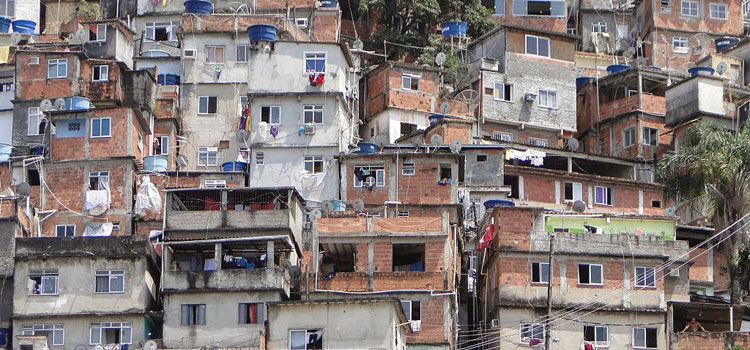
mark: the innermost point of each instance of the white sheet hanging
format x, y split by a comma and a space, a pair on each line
147, 198
98, 229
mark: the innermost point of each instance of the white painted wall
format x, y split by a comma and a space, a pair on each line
6, 127
28, 10
162, 66
387, 125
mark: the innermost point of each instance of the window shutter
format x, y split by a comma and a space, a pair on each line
519, 8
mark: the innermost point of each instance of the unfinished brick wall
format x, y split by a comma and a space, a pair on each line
382, 253
110, 89
709, 341
721, 273
451, 130
513, 228
699, 269
33, 82
384, 90
433, 322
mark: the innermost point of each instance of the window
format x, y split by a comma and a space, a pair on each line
270, 114
536, 45
718, 11
590, 274
259, 158
481, 158
313, 114
408, 257
402, 214
207, 104
413, 311
243, 154
532, 331
410, 81
597, 334
208, 156
214, 54
8, 8
98, 180
100, 73
628, 137
548, 98
111, 333
446, 173
540, 272
502, 136
310, 339
315, 62
572, 31
656, 204
299, 22
680, 44
242, 51
100, 127
650, 136
539, 8
37, 124
503, 92
98, 32
9, 86
161, 31
602, 195
110, 281
363, 172
251, 313
43, 282
689, 8
55, 333
599, 27
644, 338
535, 141
665, 5
192, 314
645, 277
314, 164
408, 169
212, 183
65, 230
57, 68
161, 146
573, 191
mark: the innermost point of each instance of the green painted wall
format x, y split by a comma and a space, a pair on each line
665, 228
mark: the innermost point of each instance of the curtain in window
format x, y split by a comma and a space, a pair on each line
102, 284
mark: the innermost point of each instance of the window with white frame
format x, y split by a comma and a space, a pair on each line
590, 274
408, 169
718, 11
314, 164
537, 46
548, 98
65, 230
602, 195
573, 191
260, 158
402, 214
650, 136
645, 277
270, 114
55, 333
532, 331
540, 272
306, 339
410, 81
644, 338
192, 314
8, 8
503, 92
213, 183
161, 146
57, 68
37, 124
111, 333
628, 137
98, 32
315, 62
208, 156
43, 282
599, 27
666, 5
363, 172
599, 335
214, 54
680, 44
300, 22
161, 31
98, 180
413, 311
100, 73
313, 114
207, 104
242, 52
502, 136
101, 127
689, 8
538, 142
110, 281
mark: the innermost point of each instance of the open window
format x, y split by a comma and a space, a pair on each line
446, 174
408, 257
512, 182
408, 128
251, 313
43, 282
337, 257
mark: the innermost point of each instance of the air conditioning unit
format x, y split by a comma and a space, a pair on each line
674, 273
33, 61
529, 96
495, 323
309, 130
190, 54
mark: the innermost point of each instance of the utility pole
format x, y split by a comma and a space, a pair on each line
549, 293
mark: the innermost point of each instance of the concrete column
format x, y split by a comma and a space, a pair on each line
521, 195
557, 191
640, 202
570, 164
270, 261
166, 254
370, 265
640, 90
224, 200
217, 255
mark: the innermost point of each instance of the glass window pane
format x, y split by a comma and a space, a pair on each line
105, 127
96, 127
543, 47
639, 335
95, 335
531, 45
297, 340
102, 284
116, 284
596, 274
58, 337
49, 285
126, 335
201, 319
545, 272
202, 104
601, 333
583, 273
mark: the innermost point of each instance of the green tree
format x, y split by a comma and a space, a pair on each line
712, 169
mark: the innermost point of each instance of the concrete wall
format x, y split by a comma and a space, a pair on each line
694, 96
230, 279
118, 46
6, 127
77, 329
386, 126
28, 10
487, 173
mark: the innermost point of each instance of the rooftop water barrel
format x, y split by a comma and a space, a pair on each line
328, 3
701, 71
435, 118
198, 6
155, 163
581, 81
5, 24
498, 203
234, 166
366, 148
77, 103
262, 32
727, 41
616, 68
454, 28
23, 26
5, 151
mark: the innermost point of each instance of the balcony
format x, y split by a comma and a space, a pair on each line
268, 278
651, 104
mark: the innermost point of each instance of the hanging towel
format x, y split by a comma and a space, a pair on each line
274, 130
4, 53
96, 198
99, 229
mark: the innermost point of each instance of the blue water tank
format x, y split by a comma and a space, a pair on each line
366, 148
616, 68
329, 3
23, 26
262, 32
581, 81
722, 43
5, 24
198, 6
701, 71
155, 163
498, 203
234, 166
454, 29
435, 118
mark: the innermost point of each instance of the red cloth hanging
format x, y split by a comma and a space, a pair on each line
487, 237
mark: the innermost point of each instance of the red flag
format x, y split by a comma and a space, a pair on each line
487, 237
638, 232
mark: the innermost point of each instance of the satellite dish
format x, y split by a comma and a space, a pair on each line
721, 68
59, 104
81, 347
579, 206
445, 107
417, 146
358, 45
150, 345
436, 139
327, 206
242, 135
671, 211
182, 161
440, 59
23, 188
98, 347
469, 97
630, 52
456, 146
16, 38
316, 214
46, 106
572, 144
358, 204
